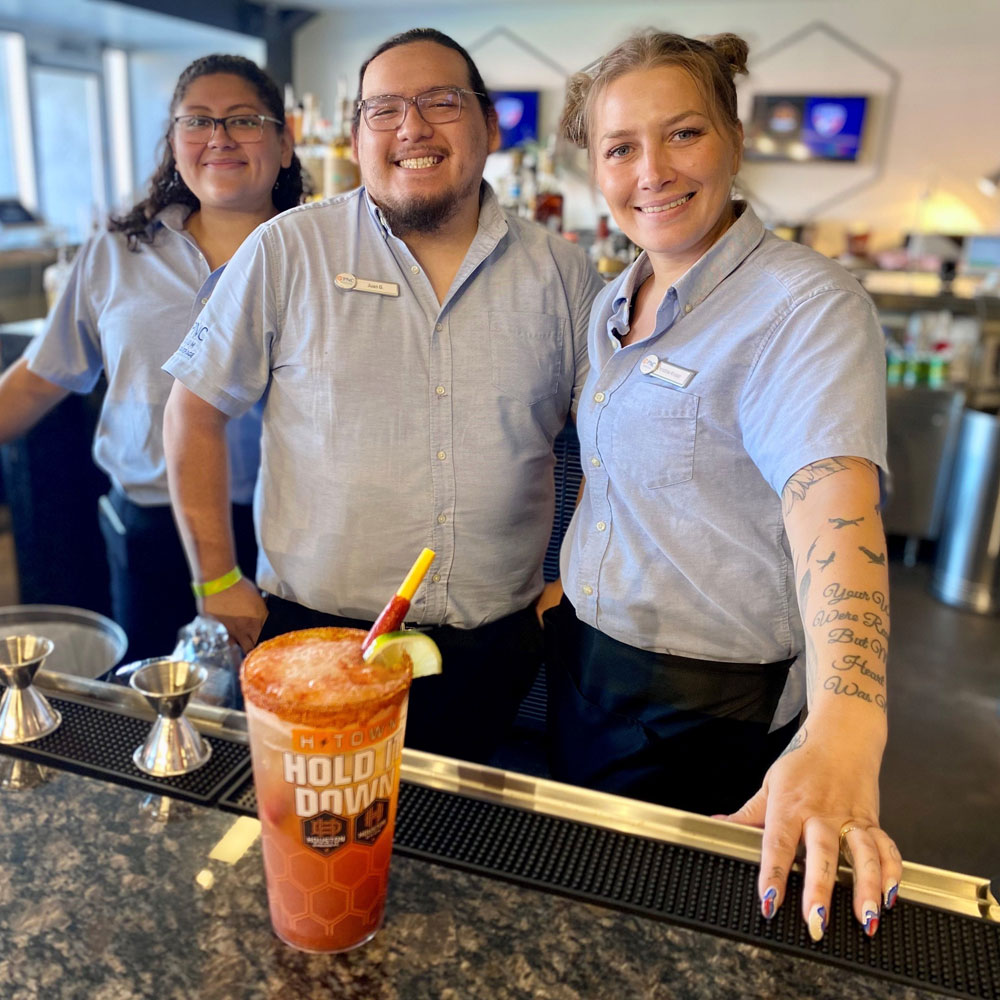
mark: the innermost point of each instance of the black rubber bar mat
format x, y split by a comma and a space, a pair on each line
915, 945
99, 743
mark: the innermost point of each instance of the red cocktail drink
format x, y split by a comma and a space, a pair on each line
326, 739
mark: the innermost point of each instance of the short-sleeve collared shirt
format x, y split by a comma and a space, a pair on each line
766, 357
124, 312
392, 421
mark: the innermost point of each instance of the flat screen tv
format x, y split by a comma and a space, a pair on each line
517, 114
805, 127
981, 255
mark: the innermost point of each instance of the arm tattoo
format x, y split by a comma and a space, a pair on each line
799, 485
811, 547
797, 740
877, 558
840, 522
826, 562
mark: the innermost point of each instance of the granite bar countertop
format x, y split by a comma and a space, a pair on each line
102, 900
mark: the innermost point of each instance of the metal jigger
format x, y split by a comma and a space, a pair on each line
173, 745
25, 714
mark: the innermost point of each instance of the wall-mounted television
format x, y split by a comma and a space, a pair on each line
981, 255
517, 114
805, 127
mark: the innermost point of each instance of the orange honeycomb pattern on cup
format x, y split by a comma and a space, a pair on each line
327, 903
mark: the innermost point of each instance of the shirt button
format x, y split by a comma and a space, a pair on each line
436, 578
415, 269
442, 518
587, 589
442, 455
204, 301
439, 327
595, 462
598, 397
601, 525
440, 390
687, 307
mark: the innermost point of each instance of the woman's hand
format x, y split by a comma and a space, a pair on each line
822, 792
551, 595
241, 609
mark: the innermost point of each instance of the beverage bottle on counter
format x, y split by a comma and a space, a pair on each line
601, 237
939, 366
549, 199
294, 121
310, 120
341, 172
603, 252
509, 186
529, 187
894, 364
306, 126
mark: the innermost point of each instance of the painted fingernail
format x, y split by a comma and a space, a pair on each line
768, 903
890, 895
817, 922
871, 917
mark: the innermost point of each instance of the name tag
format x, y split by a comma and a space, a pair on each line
666, 370
351, 283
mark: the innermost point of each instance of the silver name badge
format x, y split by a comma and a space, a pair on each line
666, 370
350, 283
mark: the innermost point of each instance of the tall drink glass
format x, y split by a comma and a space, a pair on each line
326, 740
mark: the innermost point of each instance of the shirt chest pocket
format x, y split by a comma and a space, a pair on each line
526, 354
653, 436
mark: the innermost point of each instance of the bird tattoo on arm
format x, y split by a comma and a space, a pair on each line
840, 522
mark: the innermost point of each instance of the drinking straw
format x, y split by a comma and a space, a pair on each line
394, 612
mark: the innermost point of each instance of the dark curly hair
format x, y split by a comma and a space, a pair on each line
168, 188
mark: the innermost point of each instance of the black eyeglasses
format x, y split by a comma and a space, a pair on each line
387, 111
239, 128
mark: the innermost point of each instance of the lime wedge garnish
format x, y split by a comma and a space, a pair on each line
403, 649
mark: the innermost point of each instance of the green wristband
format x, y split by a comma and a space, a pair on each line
219, 584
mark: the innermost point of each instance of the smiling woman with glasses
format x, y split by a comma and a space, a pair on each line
133, 293
437, 107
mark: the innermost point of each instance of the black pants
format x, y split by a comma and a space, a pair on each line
467, 709
692, 734
150, 580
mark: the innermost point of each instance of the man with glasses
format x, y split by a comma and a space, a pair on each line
418, 351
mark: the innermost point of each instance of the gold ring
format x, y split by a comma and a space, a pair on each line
849, 827
845, 848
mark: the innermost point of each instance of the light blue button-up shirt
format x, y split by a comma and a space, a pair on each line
124, 313
678, 544
393, 422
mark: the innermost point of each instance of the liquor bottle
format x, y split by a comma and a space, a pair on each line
529, 186
509, 186
295, 123
604, 253
341, 173
548, 199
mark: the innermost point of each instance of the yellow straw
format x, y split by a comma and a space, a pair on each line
409, 586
